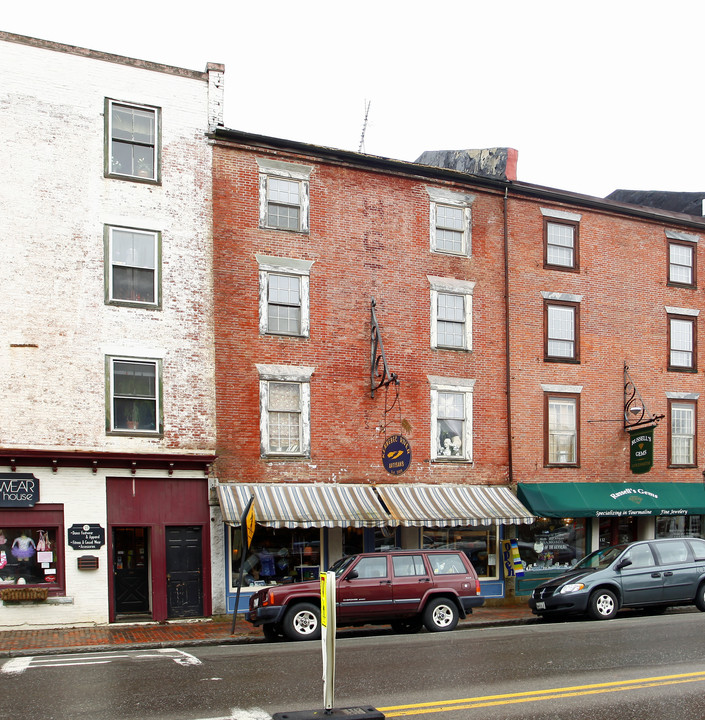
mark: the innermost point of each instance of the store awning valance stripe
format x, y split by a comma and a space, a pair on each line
453, 505
606, 499
305, 505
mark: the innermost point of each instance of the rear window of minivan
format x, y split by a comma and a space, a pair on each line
673, 551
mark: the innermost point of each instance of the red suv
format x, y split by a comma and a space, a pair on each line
405, 588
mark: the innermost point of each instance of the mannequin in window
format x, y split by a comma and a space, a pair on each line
23, 547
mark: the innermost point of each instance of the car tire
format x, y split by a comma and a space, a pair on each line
440, 615
700, 598
271, 632
602, 605
303, 622
407, 626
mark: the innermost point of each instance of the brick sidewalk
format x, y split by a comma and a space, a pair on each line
213, 632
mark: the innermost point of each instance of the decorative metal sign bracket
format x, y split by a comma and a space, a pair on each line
380, 376
635, 412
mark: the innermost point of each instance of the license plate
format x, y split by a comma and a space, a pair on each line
540, 605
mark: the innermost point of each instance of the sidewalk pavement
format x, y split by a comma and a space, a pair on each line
216, 631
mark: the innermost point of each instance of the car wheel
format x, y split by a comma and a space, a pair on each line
602, 605
700, 598
271, 632
440, 615
407, 626
303, 622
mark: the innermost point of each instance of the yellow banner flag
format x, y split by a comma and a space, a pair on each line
250, 524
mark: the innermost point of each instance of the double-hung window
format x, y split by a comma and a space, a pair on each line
451, 313
451, 419
682, 259
134, 395
561, 327
451, 221
682, 415
284, 195
560, 239
682, 339
561, 425
133, 141
285, 410
283, 295
132, 266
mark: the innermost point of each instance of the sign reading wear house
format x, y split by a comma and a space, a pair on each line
641, 450
396, 454
18, 490
86, 537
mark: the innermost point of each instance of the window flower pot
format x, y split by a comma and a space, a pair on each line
17, 594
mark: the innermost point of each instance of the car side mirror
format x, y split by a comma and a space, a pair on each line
624, 563
351, 575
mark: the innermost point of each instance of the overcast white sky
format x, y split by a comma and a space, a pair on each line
594, 94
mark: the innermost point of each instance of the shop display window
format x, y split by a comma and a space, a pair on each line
276, 555
480, 545
681, 526
28, 556
551, 544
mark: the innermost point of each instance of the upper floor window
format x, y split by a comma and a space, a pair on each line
284, 195
682, 337
682, 258
134, 395
284, 295
682, 430
451, 313
285, 410
561, 425
561, 327
451, 419
560, 237
132, 266
133, 141
450, 221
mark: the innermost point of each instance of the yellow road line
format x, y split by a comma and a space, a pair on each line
536, 695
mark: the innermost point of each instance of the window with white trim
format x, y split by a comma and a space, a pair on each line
134, 390
451, 313
682, 257
451, 419
562, 436
682, 339
561, 327
451, 221
682, 421
133, 140
284, 195
285, 410
560, 239
133, 259
283, 295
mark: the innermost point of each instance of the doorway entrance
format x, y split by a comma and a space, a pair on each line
131, 571
184, 565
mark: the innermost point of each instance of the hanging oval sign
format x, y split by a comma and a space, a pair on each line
396, 454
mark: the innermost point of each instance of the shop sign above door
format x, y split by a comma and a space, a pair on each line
18, 490
86, 537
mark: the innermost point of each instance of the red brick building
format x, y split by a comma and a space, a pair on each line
306, 238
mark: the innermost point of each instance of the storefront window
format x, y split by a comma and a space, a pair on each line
480, 545
353, 541
551, 543
675, 527
28, 556
276, 555
614, 531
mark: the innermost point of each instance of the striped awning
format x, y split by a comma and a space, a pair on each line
453, 505
304, 505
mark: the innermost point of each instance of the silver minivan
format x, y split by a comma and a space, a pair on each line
652, 574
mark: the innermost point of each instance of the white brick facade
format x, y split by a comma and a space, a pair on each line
56, 328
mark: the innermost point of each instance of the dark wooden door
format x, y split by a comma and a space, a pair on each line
131, 570
184, 560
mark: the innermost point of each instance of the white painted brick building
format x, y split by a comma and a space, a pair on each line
106, 335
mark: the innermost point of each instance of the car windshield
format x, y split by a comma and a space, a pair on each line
601, 558
339, 566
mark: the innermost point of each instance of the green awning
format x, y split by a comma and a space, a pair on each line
602, 499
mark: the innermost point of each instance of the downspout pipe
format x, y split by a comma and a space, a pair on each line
507, 379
